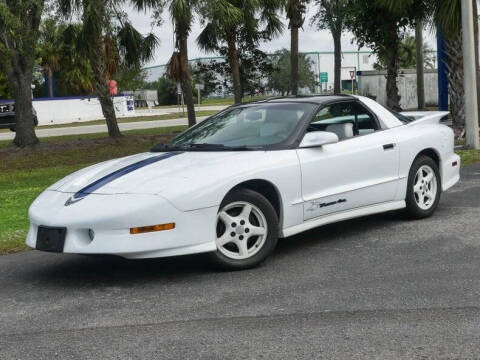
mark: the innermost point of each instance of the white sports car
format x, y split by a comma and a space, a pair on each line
237, 181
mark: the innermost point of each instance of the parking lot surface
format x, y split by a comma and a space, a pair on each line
378, 287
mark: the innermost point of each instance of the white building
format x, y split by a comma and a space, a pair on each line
322, 62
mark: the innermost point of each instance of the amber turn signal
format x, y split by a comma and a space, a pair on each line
152, 228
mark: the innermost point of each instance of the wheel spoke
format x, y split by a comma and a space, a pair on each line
227, 219
421, 200
245, 214
417, 190
256, 230
224, 240
429, 177
242, 247
430, 195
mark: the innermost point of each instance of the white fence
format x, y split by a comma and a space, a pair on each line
373, 84
78, 109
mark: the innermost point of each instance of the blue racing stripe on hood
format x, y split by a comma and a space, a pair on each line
121, 172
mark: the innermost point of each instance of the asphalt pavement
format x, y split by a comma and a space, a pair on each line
378, 287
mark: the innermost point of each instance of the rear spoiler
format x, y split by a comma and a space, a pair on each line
426, 117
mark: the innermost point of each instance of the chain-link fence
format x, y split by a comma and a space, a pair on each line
321, 65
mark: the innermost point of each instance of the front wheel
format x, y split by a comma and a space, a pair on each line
247, 230
424, 187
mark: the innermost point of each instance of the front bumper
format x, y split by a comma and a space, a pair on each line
110, 217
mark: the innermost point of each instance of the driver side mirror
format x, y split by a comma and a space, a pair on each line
318, 138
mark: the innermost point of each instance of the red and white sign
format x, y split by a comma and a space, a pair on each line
112, 86
352, 74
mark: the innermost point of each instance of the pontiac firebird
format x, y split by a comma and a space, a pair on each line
236, 182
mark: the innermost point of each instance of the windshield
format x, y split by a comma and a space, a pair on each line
246, 127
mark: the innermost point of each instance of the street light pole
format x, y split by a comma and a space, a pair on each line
470, 76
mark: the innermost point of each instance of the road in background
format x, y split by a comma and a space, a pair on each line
93, 129
134, 125
377, 287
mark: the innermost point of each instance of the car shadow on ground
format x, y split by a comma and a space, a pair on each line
69, 271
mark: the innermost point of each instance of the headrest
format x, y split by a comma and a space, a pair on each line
344, 131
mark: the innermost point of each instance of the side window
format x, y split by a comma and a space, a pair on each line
338, 118
346, 119
365, 123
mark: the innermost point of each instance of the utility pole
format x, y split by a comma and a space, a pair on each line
470, 84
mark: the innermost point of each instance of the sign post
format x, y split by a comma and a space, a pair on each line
199, 87
179, 95
352, 76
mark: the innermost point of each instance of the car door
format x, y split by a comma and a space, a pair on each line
358, 171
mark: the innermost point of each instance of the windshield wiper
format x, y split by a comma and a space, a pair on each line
200, 147
167, 147
217, 147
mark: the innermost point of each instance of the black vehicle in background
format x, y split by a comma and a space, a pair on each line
7, 116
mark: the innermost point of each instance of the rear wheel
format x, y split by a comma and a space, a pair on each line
12, 129
424, 187
247, 230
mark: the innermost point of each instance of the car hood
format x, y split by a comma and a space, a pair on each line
152, 173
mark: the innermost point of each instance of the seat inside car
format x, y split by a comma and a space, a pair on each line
343, 131
278, 123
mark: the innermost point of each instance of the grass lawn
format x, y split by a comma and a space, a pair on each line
25, 173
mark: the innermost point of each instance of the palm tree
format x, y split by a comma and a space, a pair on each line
295, 10
445, 16
76, 69
232, 22
182, 15
107, 38
49, 50
331, 16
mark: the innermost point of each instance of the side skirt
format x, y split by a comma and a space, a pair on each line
344, 215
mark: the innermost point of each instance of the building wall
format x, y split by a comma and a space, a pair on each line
351, 60
373, 84
321, 62
76, 109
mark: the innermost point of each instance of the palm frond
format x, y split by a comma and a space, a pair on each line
208, 38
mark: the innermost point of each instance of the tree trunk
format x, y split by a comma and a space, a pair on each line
20, 78
455, 76
420, 64
393, 98
337, 43
477, 60
294, 60
186, 79
102, 90
50, 82
235, 68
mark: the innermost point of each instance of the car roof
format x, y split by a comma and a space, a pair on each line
313, 99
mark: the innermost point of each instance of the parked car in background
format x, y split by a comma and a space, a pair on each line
7, 116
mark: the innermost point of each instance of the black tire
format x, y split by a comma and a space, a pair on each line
270, 242
12, 129
414, 211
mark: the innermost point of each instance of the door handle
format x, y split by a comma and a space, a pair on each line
388, 146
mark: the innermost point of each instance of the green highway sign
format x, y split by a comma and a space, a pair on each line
324, 77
